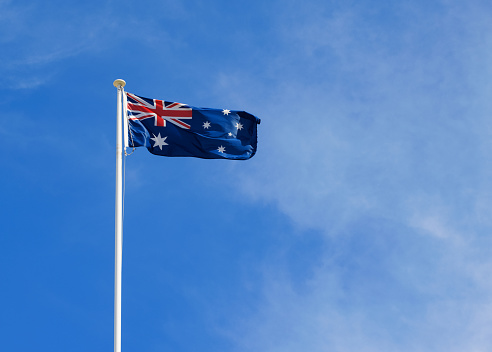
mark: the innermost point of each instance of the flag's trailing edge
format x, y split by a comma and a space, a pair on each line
174, 129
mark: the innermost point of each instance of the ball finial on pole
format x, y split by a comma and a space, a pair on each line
119, 83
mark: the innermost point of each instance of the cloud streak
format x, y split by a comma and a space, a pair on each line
377, 137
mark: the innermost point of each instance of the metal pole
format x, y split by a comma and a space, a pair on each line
118, 239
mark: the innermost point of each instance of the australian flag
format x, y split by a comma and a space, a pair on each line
174, 129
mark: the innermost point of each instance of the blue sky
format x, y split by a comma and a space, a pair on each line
361, 224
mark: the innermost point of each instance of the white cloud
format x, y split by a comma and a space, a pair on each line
378, 131
390, 126
41, 35
405, 294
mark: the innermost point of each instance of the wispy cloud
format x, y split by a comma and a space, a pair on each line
378, 132
41, 35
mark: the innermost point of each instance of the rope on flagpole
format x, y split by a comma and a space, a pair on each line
131, 137
127, 128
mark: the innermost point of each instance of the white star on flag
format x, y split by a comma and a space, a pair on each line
239, 126
226, 112
206, 125
221, 149
230, 134
159, 141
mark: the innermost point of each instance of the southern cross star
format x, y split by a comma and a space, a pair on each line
239, 126
230, 134
226, 112
206, 125
221, 149
159, 141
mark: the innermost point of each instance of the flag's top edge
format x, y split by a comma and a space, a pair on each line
242, 114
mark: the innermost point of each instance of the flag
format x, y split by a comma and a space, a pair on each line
174, 129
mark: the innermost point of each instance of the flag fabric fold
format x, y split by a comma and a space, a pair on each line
174, 129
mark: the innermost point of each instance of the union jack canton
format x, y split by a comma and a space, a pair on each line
174, 129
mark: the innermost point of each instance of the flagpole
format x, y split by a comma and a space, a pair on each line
118, 239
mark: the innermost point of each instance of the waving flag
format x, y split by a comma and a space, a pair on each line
174, 129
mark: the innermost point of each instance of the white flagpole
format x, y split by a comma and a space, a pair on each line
118, 239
